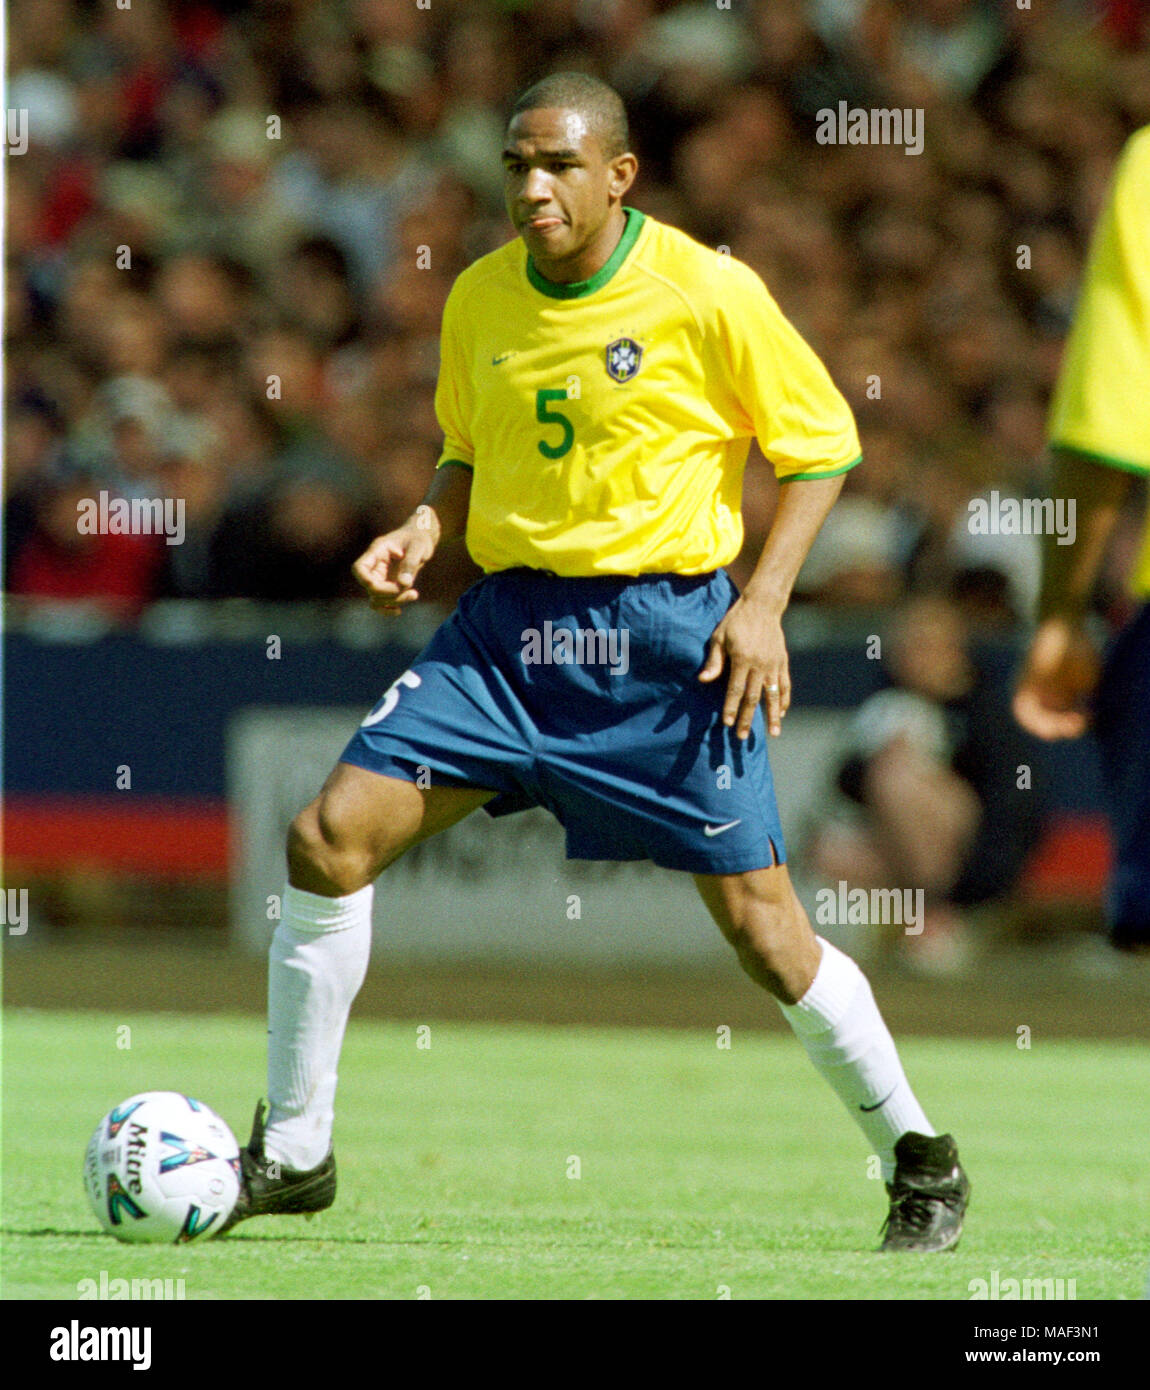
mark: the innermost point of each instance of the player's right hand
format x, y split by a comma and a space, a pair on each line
1059, 676
387, 569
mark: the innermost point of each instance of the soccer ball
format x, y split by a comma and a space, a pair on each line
162, 1167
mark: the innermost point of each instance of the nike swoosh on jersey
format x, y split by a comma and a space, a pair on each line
503, 356
718, 829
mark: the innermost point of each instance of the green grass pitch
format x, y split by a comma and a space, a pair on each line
520, 1162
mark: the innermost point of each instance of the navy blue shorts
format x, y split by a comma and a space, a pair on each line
1122, 728
581, 696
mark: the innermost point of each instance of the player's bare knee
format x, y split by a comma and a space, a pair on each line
319, 861
305, 848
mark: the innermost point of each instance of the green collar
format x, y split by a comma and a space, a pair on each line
576, 289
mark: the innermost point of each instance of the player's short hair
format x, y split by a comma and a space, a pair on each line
600, 105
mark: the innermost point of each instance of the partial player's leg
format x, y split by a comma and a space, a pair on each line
665, 779
454, 716
1122, 731
827, 1001
361, 822
337, 846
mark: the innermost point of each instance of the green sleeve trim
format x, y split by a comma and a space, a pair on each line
1106, 460
813, 477
454, 463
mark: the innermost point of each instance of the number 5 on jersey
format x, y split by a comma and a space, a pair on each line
548, 416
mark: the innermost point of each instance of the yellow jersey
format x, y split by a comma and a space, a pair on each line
607, 422
1101, 406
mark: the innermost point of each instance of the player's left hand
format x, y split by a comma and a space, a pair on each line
1059, 676
749, 641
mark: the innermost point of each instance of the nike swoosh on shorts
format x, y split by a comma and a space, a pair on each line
718, 829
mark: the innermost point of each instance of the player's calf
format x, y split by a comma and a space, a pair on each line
829, 1004
317, 962
760, 915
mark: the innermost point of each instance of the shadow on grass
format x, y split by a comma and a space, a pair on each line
53, 1231
303, 1238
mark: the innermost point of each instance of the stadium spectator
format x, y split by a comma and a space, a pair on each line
928, 792
317, 248
292, 544
55, 559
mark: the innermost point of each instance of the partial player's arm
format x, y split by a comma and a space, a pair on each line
749, 641
784, 394
388, 568
1100, 437
1069, 571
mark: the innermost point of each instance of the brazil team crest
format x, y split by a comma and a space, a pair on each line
623, 358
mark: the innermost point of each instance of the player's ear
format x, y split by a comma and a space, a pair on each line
623, 169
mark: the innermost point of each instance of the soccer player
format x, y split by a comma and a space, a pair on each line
1100, 440
601, 378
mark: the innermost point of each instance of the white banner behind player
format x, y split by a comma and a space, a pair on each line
488, 889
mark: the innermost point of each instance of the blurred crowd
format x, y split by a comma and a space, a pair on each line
234, 226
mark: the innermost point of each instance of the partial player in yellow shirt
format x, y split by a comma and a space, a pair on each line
602, 377
1100, 441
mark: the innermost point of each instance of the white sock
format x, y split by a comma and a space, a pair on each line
839, 1024
317, 962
